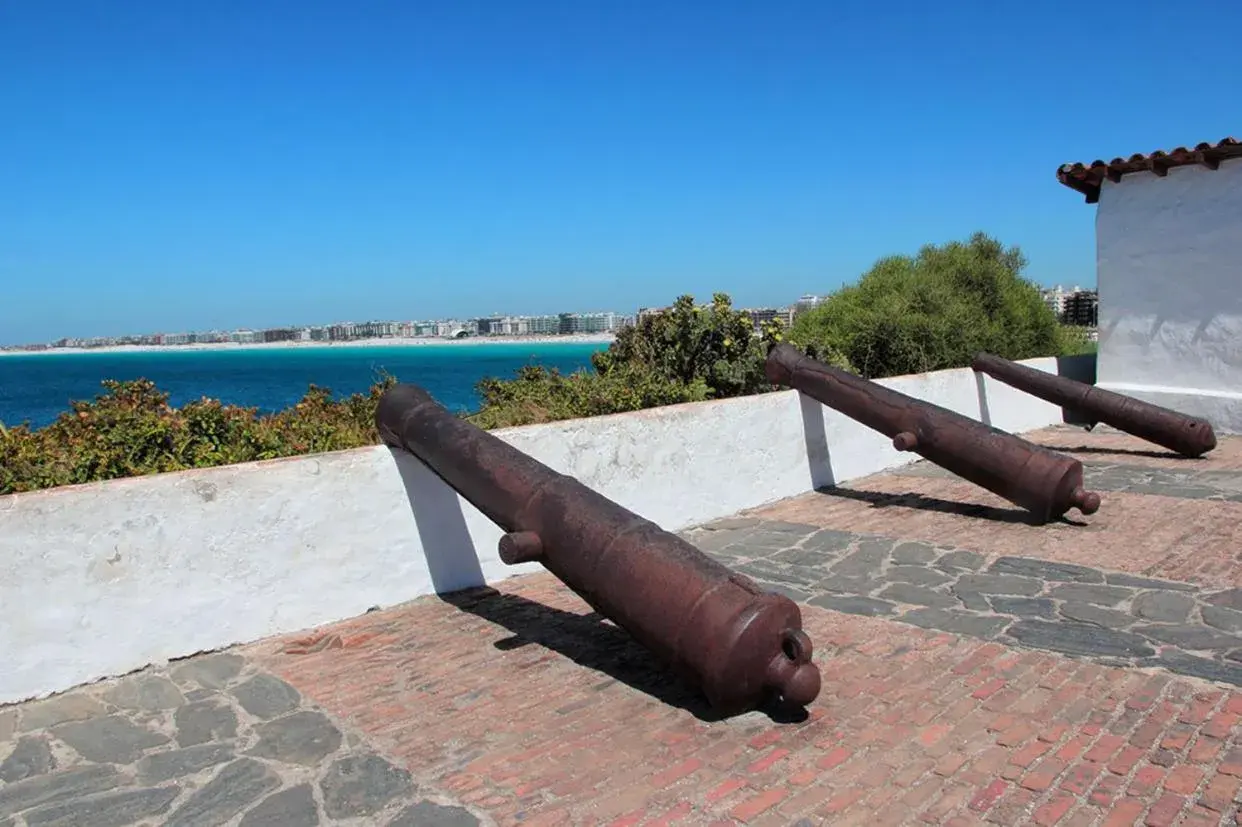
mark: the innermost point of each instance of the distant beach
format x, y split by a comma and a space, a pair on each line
393, 341
274, 376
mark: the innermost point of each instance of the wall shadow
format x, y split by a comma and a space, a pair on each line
452, 559
1080, 368
911, 499
592, 642
815, 433
981, 390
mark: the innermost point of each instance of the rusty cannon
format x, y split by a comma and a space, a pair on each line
736, 643
1187, 435
1044, 482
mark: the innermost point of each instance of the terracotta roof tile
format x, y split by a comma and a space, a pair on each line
1087, 178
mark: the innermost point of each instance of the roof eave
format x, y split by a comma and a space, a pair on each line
1089, 190
1089, 178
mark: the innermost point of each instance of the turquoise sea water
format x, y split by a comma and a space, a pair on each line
37, 388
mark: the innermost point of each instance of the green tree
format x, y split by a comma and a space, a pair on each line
912, 314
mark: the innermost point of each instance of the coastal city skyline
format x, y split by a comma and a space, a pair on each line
488, 325
1074, 305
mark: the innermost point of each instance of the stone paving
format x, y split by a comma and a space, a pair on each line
1160, 517
209, 741
1117, 618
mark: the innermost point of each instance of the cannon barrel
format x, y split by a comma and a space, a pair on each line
719, 631
1187, 435
1044, 482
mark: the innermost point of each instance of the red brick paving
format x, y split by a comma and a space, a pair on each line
529, 709
912, 726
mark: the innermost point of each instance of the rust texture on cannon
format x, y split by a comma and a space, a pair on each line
717, 630
1187, 435
1042, 481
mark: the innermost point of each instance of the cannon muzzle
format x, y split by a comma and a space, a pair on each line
1044, 482
716, 628
1187, 435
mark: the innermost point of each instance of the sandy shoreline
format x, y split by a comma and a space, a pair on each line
570, 339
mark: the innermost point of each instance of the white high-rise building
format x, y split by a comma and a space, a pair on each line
805, 303
1056, 295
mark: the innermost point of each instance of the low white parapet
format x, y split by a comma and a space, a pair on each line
98, 580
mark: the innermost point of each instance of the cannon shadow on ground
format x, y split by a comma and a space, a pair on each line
593, 642
1066, 446
912, 499
824, 481
588, 640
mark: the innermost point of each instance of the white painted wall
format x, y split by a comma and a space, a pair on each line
97, 580
1170, 278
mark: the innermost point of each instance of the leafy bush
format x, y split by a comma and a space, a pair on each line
935, 311
542, 395
684, 353
685, 343
130, 430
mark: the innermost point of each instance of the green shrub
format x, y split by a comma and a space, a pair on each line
130, 430
686, 343
542, 395
684, 353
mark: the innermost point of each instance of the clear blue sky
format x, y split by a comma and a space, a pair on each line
219, 163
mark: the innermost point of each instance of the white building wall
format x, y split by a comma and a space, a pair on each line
101, 579
1170, 279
